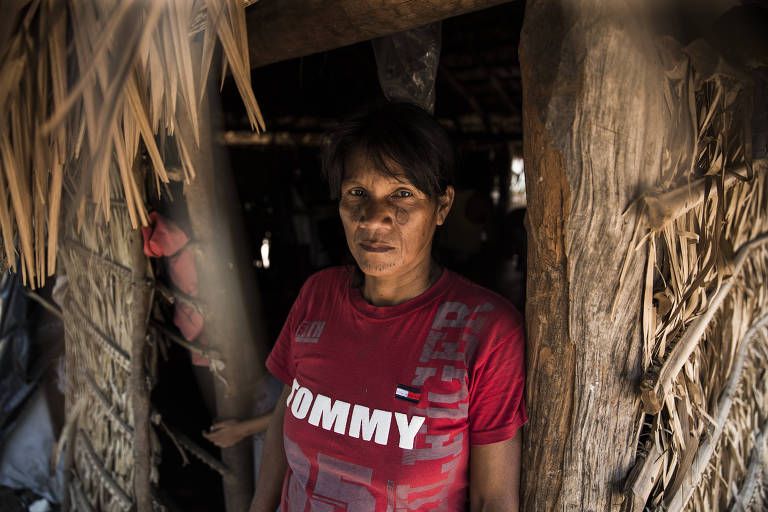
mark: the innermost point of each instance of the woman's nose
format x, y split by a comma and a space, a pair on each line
376, 212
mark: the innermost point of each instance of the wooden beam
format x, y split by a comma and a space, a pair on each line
139, 385
286, 29
230, 298
595, 126
662, 208
270, 139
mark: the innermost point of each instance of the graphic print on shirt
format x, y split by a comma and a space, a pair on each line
408, 393
339, 483
451, 342
309, 332
329, 414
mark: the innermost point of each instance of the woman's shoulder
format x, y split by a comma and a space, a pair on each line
330, 275
479, 298
325, 281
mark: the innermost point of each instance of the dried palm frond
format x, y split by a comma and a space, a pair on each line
704, 387
130, 70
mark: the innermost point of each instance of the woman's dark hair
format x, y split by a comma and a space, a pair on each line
393, 132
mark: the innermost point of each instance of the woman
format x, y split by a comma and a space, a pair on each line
404, 381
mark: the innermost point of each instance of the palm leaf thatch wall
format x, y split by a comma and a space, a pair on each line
96, 98
705, 302
105, 314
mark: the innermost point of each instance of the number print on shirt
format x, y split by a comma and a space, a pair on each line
300, 466
343, 483
338, 483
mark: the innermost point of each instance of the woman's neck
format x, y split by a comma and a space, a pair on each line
394, 290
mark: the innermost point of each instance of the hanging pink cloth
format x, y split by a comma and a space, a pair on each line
163, 238
189, 321
182, 271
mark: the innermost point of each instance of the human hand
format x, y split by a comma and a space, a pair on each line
225, 433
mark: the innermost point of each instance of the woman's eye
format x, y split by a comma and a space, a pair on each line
403, 193
357, 192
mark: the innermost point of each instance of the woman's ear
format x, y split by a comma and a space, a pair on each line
444, 203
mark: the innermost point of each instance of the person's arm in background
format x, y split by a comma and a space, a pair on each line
230, 432
494, 476
266, 498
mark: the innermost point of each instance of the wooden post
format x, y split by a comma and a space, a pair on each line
232, 308
594, 133
293, 28
140, 391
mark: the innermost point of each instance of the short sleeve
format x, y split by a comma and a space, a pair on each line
280, 361
496, 400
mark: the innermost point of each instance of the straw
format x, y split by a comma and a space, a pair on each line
134, 69
704, 392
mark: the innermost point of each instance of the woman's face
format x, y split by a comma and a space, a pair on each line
388, 222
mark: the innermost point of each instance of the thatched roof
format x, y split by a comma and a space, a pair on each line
132, 76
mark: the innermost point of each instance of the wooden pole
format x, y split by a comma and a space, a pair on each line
140, 392
229, 294
594, 132
293, 28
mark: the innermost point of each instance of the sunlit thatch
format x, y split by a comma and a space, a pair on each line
705, 306
131, 70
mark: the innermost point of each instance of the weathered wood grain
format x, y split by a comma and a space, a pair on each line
594, 131
228, 292
286, 29
140, 390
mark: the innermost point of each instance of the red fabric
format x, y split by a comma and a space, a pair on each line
163, 238
386, 401
182, 271
189, 321
197, 359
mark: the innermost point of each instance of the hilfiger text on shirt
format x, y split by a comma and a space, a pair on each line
353, 420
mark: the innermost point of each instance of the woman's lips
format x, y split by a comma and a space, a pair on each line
375, 247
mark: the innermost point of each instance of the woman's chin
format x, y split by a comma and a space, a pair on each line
376, 266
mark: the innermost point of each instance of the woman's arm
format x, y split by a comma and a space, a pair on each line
273, 463
230, 432
494, 476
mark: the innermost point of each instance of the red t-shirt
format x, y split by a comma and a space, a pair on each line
386, 401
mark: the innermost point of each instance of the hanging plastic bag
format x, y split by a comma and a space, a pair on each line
407, 64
